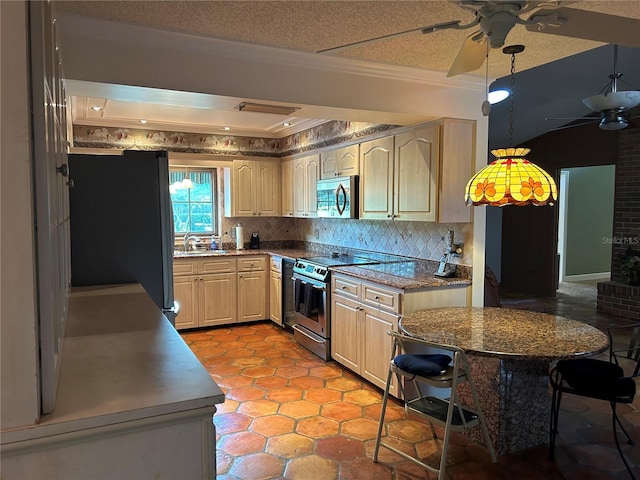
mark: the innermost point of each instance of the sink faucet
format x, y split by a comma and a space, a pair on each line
188, 236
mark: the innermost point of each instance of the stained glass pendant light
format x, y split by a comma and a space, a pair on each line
511, 179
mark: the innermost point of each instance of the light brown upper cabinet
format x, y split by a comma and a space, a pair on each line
305, 195
419, 174
341, 162
287, 187
255, 189
457, 161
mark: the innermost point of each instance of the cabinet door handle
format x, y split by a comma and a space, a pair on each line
389, 216
377, 297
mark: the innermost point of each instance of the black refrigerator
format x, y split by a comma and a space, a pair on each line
122, 223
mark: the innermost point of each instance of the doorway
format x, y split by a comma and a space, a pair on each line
585, 226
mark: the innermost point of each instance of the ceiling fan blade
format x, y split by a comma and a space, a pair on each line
570, 22
573, 125
432, 28
471, 55
572, 118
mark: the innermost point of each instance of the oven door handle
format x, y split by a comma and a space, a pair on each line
317, 287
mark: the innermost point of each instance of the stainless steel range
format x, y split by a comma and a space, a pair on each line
312, 300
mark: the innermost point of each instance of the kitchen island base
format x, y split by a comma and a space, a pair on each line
515, 399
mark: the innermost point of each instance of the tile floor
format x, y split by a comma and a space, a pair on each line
290, 415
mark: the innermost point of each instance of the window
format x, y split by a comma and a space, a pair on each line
193, 208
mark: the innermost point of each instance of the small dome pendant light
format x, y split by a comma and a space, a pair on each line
186, 182
511, 179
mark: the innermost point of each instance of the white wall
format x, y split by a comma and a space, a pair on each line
19, 387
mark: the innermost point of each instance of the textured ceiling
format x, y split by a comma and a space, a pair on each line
311, 26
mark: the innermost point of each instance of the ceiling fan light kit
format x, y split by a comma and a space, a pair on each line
610, 103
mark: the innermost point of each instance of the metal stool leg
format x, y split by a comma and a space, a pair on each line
553, 427
385, 399
615, 436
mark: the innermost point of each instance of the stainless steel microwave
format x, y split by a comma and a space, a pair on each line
338, 197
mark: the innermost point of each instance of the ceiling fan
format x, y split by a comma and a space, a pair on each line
496, 18
612, 105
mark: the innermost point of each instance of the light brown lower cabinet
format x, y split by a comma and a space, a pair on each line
359, 327
220, 291
275, 290
362, 312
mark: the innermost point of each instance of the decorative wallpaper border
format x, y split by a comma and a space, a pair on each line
329, 133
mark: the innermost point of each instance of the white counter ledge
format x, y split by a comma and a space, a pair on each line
124, 368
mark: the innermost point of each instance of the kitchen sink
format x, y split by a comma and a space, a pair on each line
199, 253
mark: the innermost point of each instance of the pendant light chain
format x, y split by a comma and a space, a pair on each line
513, 82
511, 179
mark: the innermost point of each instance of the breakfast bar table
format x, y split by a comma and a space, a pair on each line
509, 353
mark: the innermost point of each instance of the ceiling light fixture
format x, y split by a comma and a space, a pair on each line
286, 124
610, 102
226, 128
143, 121
511, 179
497, 96
264, 108
186, 182
96, 108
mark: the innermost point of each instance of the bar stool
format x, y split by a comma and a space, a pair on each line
439, 370
600, 380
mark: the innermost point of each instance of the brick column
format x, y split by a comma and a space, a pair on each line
616, 297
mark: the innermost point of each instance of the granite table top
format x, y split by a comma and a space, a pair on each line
506, 333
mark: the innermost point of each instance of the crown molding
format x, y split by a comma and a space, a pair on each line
74, 25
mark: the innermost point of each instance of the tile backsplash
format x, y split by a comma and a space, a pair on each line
422, 240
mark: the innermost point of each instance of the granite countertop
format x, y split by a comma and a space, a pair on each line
122, 361
392, 270
407, 275
289, 253
506, 333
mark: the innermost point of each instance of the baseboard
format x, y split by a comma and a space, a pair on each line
587, 276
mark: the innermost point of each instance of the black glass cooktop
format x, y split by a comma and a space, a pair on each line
331, 261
